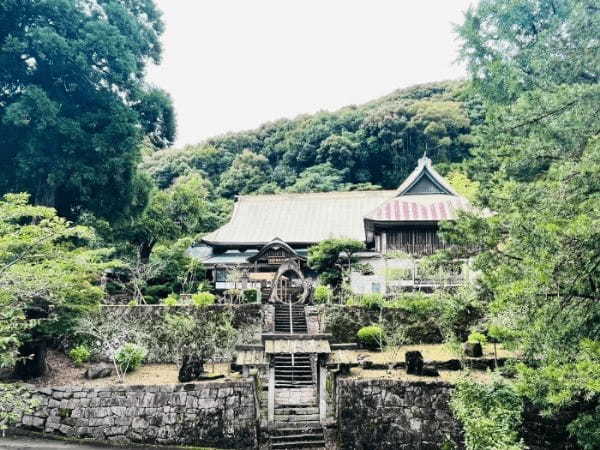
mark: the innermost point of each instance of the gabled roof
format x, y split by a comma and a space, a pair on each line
419, 208
425, 196
297, 218
423, 177
275, 244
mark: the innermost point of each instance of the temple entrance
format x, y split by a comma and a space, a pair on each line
289, 285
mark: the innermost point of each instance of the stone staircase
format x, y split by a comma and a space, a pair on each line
293, 370
296, 421
290, 319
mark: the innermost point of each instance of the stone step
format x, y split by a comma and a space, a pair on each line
296, 418
292, 427
306, 445
297, 436
293, 375
295, 385
299, 411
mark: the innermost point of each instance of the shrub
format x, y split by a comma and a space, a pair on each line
419, 305
250, 295
171, 300
203, 299
80, 354
477, 338
491, 414
371, 337
370, 301
323, 294
129, 357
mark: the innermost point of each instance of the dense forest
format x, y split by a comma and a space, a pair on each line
92, 190
357, 147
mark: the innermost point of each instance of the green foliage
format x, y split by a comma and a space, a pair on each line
204, 336
370, 301
490, 414
537, 163
15, 401
203, 299
477, 338
355, 148
129, 357
80, 354
333, 259
45, 270
323, 294
171, 300
247, 174
75, 107
184, 209
371, 337
463, 185
250, 295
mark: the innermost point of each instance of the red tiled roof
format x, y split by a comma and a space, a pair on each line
420, 208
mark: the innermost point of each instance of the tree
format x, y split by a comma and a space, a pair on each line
319, 178
47, 276
186, 208
333, 259
535, 64
74, 105
247, 173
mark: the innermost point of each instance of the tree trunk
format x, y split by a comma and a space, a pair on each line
34, 366
145, 250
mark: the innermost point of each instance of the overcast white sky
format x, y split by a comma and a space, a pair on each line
231, 65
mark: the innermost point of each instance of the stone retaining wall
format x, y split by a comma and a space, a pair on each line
393, 414
403, 415
222, 415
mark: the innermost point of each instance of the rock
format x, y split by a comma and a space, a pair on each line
414, 363
99, 371
191, 369
473, 349
430, 371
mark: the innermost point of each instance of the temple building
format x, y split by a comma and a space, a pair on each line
265, 244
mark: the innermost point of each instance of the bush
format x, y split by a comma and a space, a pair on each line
323, 294
129, 357
491, 414
203, 299
79, 355
171, 300
419, 305
477, 338
371, 337
370, 301
250, 295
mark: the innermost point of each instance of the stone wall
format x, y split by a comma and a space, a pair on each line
343, 322
149, 320
222, 415
416, 415
395, 414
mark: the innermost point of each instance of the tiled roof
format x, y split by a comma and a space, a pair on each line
311, 218
298, 218
412, 208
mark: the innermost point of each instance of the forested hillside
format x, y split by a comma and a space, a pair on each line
357, 147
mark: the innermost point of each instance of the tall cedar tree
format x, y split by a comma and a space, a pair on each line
74, 107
